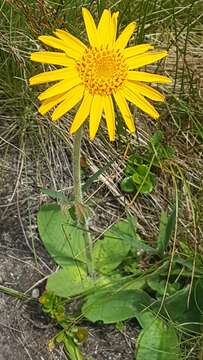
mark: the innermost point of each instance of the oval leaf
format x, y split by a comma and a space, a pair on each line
70, 281
158, 342
61, 237
111, 306
109, 253
128, 185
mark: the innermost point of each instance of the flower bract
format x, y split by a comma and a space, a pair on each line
98, 76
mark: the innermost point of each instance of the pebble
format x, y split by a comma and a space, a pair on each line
35, 293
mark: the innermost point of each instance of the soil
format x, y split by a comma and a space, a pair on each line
24, 330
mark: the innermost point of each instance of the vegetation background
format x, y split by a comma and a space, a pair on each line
36, 153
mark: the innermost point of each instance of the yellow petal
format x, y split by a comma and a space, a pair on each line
48, 104
135, 50
125, 36
113, 28
104, 28
72, 98
90, 27
145, 90
70, 40
148, 77
82, 112
59, 88
110, 116
125, 111
47, 57
95, 115
140, 102
49, 76
145, 59
59, 44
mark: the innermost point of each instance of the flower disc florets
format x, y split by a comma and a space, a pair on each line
102, 70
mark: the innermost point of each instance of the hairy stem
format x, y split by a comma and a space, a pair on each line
76, 167
81, 211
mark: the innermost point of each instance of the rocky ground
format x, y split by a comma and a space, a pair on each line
24, 263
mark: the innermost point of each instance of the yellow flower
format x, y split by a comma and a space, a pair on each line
98, 74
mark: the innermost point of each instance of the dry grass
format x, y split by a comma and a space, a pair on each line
36, 153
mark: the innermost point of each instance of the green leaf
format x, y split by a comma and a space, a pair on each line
138, 245
61, 237
198, 298
158, 342
137, 178
109, 253
69, 281
71, 349
145, 318
144, 177
156, 138
59, 195
191, 314
168, 152
166, 227
120, 327
135, 160
127, 185
147, 187
188, 263
182, 309
158, 285
173, 306
111, 306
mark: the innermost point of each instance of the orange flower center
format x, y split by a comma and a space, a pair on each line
102, 70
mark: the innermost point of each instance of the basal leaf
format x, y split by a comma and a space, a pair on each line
137, 243
198, 298
188, 263
111, 306
60, 235
158, 342
54, 194
69, 281
173, 306
145, 318
159, 285
183, 307
109, 253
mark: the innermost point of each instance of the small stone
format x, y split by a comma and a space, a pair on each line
35, 293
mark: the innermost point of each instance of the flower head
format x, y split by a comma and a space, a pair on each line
97, 75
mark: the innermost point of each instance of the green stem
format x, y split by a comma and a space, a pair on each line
76, 167
14, 293
81, 211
